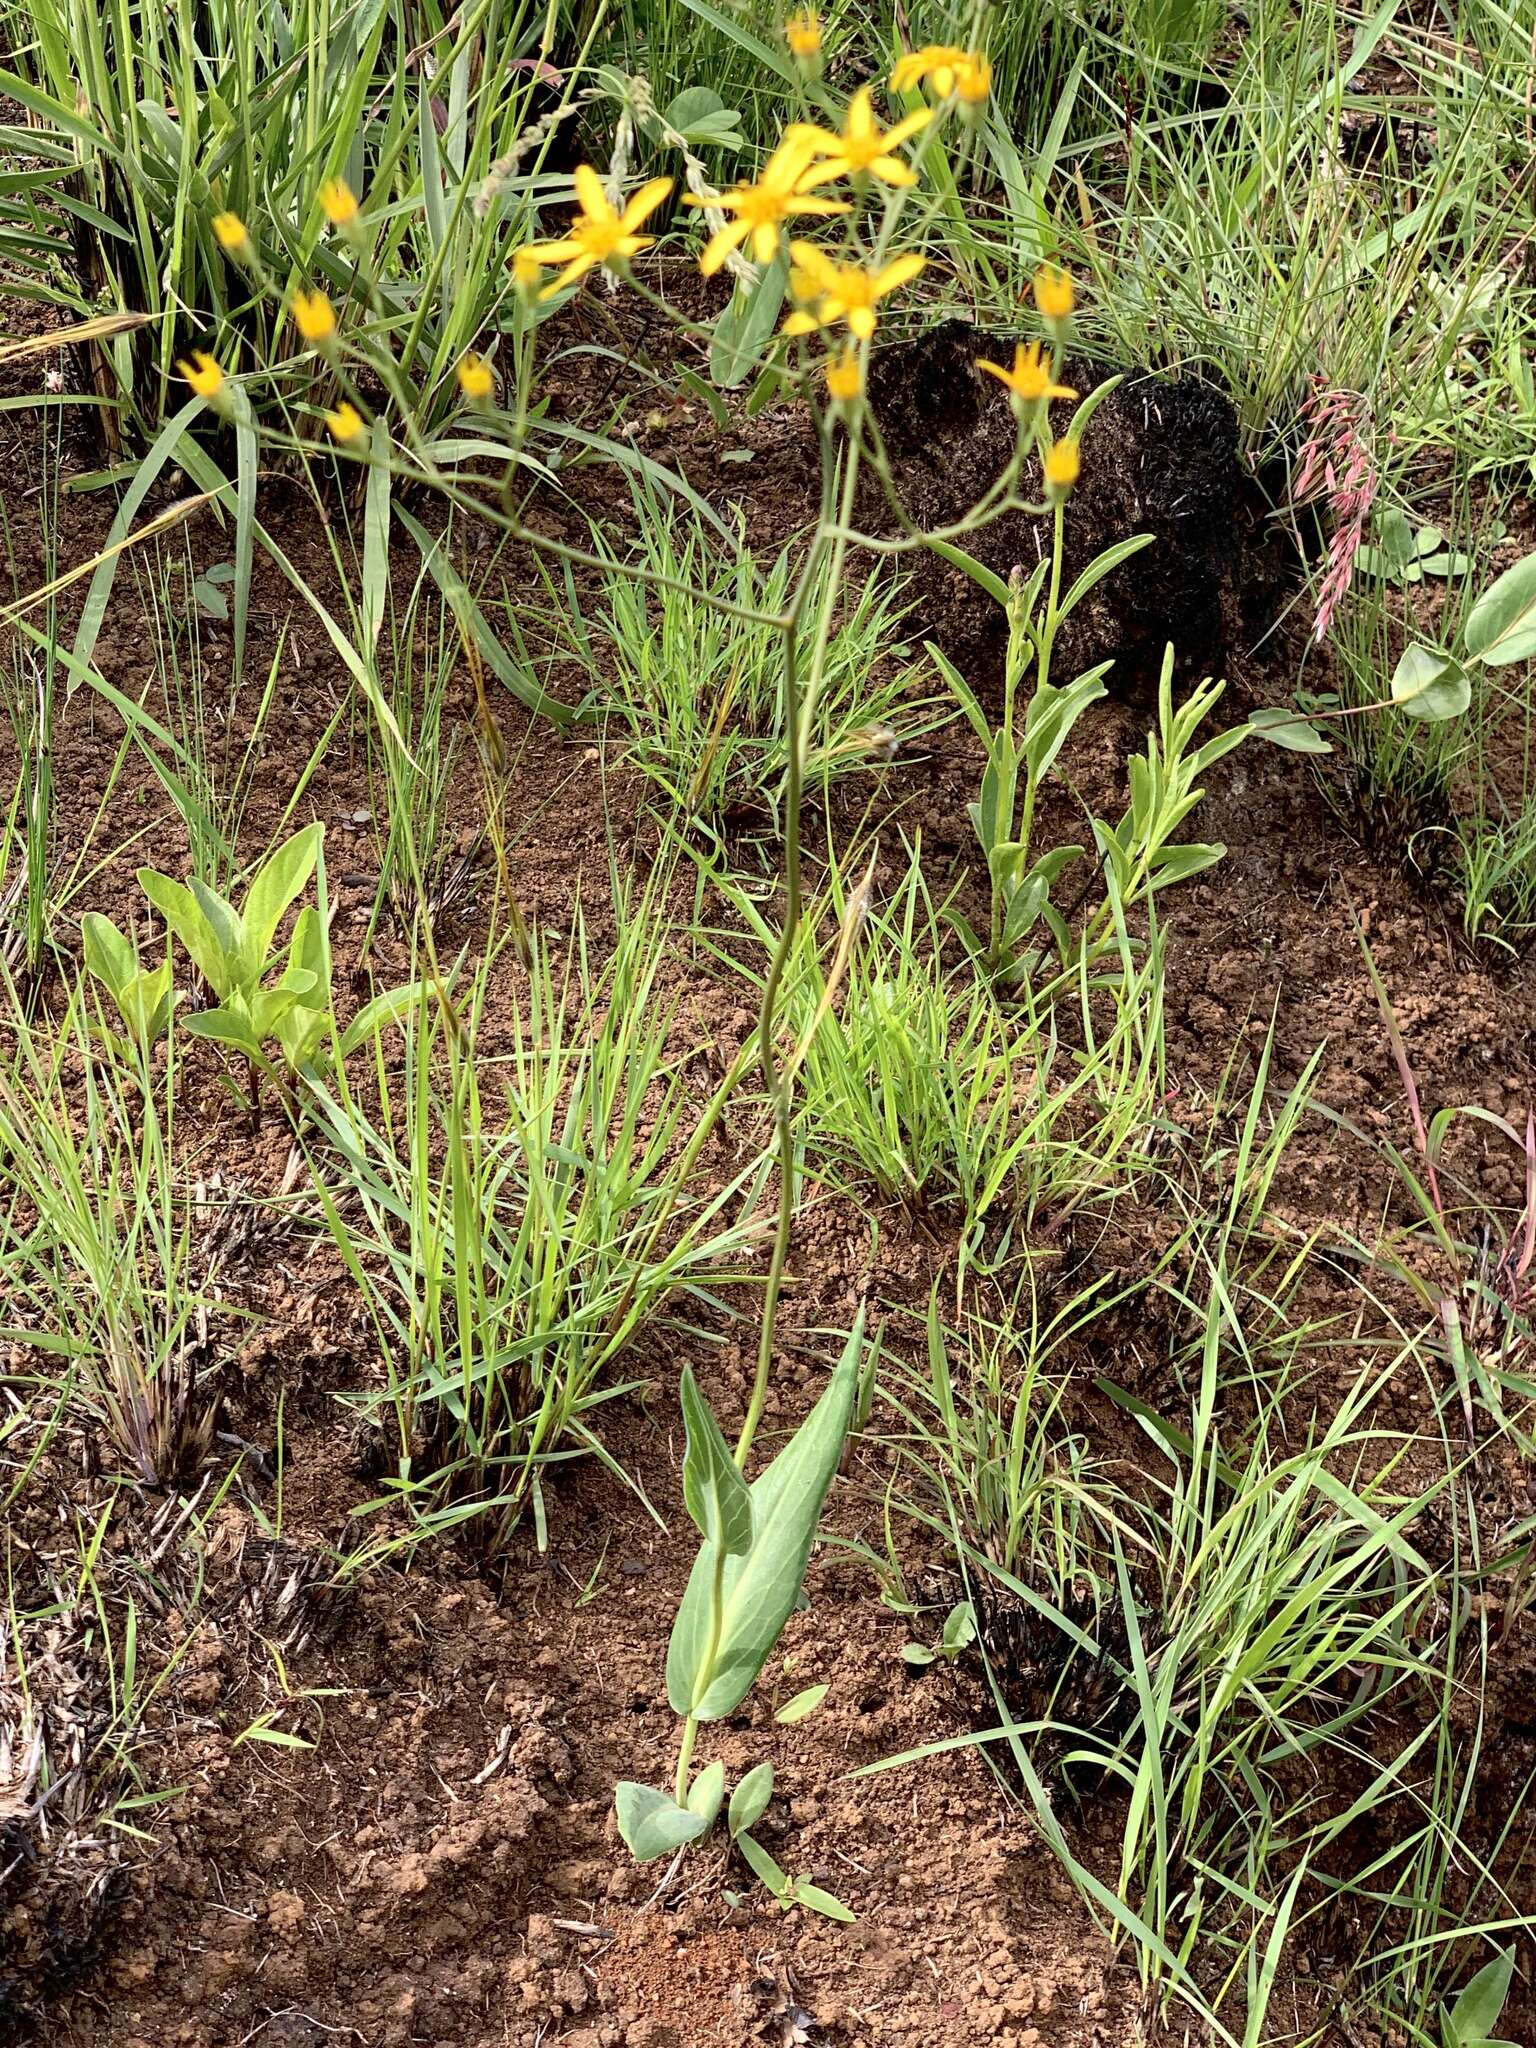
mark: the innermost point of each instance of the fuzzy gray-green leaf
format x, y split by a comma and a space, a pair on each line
652, 1822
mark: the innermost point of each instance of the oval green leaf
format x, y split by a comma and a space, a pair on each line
749, 1801
1287, 729
706, 1795
1429, 684
652, 1822
1502, 625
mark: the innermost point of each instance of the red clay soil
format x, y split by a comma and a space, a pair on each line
442, 1866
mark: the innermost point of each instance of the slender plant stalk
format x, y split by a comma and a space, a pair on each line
799, 712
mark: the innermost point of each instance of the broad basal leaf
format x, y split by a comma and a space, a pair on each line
652, 1822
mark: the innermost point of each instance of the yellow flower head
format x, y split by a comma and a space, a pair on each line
845, 376
313, 316
864, 148
338, 202
598, 234
973, 80
783, 189
476, 378
940, 65
527, 266
1053, 292
842, 291
1062, 464
1030, 377
203, 374
229, 232
802, 32
346, 422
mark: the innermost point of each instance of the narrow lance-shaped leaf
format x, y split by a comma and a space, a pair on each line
1476, 2011
758, 1590
275, 885
714, 1492
185, 916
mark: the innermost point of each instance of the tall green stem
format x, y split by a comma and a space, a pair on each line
799, 712
1043, 668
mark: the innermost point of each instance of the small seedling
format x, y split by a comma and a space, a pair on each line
1404, 554
143, 996
264, 992
745, 1583
958, 1634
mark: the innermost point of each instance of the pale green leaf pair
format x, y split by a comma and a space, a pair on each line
144, 997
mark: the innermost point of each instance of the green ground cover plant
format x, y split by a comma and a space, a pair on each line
1185, 1425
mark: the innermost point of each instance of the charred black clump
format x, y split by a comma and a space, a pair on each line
1160, 457
1045, 1674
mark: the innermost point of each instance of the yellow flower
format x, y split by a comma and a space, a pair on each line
842, 291
802, 32
973, 80
476, 378
1030, 377
864, 148
203, 374
229, 232
1053, 292
338, 202
346, 422
845, 376
313, 316
598, 233
1062, 464
527, 266
784, 188
941, 64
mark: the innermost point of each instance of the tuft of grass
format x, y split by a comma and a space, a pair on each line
686, 660
516, 1219
97, 1239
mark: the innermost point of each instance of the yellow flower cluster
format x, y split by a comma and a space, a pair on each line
1031, 381
952, 72
787, 187
759, 211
